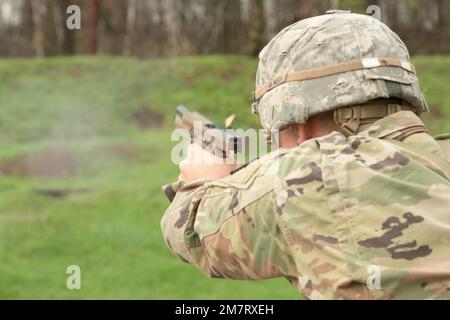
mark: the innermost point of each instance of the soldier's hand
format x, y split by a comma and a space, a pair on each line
200, 163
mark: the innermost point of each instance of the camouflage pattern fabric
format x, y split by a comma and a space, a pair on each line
324, 212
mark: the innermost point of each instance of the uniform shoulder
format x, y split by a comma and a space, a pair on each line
279, 162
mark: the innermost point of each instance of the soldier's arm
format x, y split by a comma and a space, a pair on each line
228, 227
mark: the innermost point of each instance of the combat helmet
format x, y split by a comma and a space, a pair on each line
331, 61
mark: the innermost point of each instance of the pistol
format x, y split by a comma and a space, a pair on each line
205, 133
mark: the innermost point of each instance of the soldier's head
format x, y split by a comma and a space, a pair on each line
314, 75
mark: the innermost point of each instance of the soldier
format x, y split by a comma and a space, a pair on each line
356, 202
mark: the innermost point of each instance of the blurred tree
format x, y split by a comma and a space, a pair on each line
38, 10
27, 29
307, 9
155, 28
443, 25
256, 34
172, 25
130, 27
68, 39
232, 26
213, 11
93, 15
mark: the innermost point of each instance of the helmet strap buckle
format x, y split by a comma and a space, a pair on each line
348, 124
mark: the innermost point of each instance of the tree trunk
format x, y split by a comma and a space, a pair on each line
38, 11
444, 25
27, 24
232, 26
256, 34
92, 25
67, 37
213, 29
130, 28
307, 9
170, 10
58, 25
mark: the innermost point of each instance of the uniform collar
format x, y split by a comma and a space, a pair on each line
393, 123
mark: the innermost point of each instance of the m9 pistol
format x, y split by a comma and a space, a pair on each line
205, 133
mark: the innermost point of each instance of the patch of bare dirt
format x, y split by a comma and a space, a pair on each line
61, 162
53, 162
228, 75
59, 193
76, 73
146, 118
123, 151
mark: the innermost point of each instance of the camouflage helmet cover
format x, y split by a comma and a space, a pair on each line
325, 41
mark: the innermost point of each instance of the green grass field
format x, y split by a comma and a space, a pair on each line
102, 126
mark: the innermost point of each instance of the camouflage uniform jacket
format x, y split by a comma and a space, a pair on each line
325, 214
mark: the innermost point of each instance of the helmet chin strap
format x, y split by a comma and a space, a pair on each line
272, 136
349, 119
347, 127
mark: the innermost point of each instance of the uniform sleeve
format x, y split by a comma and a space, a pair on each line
229, 228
